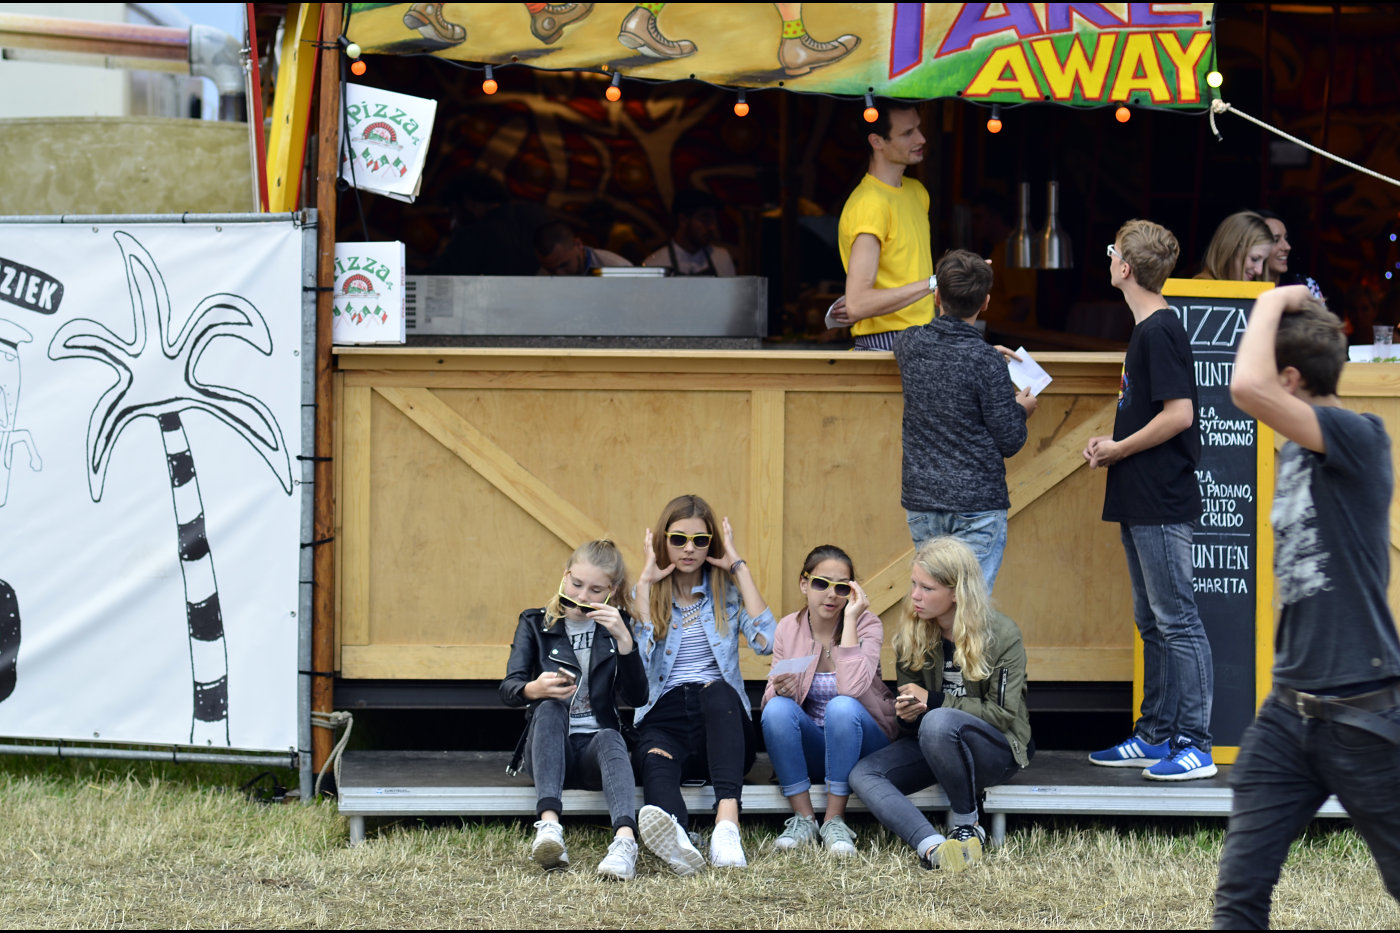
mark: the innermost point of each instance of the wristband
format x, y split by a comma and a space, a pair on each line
734, 567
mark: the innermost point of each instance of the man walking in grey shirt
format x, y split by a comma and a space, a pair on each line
962, 418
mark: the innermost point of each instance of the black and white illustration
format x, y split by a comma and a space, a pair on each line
156, 543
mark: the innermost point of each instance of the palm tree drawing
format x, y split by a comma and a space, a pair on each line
162, 386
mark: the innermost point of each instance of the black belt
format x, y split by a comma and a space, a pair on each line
1358, 711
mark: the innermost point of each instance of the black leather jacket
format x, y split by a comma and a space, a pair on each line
611, 677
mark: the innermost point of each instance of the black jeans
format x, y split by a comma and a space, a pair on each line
587, 760
1286, 768
694, 731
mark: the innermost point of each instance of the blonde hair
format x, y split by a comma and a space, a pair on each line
951, 563
604, 555
663, 594
1150, 250
1234, 238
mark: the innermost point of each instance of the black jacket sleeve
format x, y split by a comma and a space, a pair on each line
632, 688
522, 666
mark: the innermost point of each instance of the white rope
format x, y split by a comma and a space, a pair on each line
1220, 106
333, 721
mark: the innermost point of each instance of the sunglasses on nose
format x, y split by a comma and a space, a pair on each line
821, 583
568, 602
676, 539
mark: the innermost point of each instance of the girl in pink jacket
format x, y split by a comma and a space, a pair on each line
819, 721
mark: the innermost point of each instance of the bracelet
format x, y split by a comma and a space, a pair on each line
734, 567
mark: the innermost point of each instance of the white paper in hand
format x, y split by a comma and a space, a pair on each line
1028, 372
791, 665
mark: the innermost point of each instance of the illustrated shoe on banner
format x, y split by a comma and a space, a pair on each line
639, 31
800, 54
548, 24
427, 19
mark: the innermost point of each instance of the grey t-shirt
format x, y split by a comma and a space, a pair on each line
581, 715
1331, 518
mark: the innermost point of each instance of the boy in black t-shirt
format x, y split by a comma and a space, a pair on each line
1152, 493
1331, 725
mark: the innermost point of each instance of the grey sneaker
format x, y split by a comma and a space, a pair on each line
962, 849
668, 841
726, 851
548, 848
837, 837
799, 830
621, 861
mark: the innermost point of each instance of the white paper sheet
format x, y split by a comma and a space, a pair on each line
792, 665
1028, 372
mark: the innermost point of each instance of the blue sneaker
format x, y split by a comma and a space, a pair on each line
1186, 763
1132, 753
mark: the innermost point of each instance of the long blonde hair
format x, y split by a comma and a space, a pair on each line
663, 594
951, 563
1234, 238
604, 555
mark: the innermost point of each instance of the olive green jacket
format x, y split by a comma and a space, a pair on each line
999, 700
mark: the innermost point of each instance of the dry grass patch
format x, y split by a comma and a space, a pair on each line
93, 846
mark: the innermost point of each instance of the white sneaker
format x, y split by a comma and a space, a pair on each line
548, 848
621, 861
725, 849
668, 841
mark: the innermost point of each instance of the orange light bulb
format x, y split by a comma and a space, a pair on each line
613, 93
1122, 114
741, 109
358, 67
490, 86
871, 114
993, 125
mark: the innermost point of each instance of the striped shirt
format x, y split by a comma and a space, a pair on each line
695, 659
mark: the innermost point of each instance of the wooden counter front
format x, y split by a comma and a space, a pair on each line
465, 477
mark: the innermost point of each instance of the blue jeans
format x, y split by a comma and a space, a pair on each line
1178, 681
962, 754
984, 532
802, 751
1286, 768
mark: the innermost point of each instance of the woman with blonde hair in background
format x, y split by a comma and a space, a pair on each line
1240, 249
961, 704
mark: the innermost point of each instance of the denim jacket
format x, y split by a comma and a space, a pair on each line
661, 656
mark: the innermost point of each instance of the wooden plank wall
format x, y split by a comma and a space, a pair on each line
466, 477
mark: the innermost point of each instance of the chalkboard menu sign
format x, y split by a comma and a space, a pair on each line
1233, 584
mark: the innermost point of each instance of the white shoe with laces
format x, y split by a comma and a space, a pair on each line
548, 848
621, 861
726, 851
668, 841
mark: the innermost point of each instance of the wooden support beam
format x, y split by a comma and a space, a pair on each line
291, 106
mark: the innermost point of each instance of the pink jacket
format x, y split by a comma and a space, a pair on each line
857, 669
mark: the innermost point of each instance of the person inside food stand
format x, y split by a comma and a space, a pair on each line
1239, 250
884, 236
1276, 269
818, 721
692, 250
694, 598
571, 664
492, 233
561, 252
1152, 494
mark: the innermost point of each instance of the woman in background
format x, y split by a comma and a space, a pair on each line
1239, 250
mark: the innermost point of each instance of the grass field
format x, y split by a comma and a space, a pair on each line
93, 844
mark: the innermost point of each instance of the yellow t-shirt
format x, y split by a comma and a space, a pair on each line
898, 218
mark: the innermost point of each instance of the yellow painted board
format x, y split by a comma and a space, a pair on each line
291, 106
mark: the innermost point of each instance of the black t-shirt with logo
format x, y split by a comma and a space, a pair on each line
1156, 486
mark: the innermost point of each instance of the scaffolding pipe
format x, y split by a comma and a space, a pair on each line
285, 760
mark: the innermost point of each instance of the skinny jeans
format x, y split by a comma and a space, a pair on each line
953, 749
695, 731
1286, 768
802, 751
585, 760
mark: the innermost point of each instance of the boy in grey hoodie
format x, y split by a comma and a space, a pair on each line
962, 418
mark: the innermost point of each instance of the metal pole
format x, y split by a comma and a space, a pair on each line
285, 760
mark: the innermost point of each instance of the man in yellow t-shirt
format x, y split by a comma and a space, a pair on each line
884, 236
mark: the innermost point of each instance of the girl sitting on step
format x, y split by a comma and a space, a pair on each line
695, 597
818, 722
961, 704
571, 664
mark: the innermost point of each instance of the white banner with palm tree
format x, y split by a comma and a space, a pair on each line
149, 534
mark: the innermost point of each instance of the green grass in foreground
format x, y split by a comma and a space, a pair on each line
102, 844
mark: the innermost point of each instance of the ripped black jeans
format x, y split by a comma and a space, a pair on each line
694, 731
